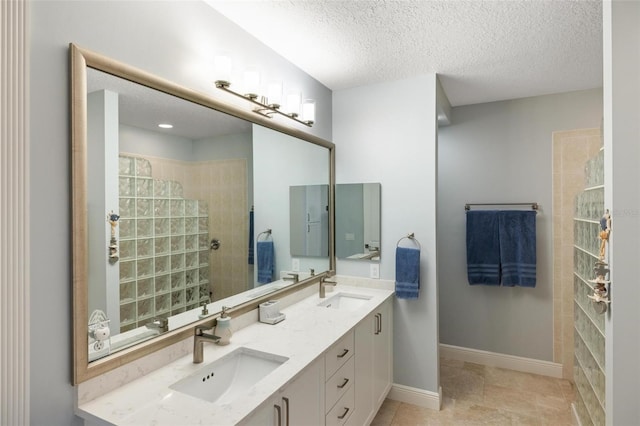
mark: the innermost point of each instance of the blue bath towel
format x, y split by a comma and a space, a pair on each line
518, 247
407, 273
250, 254
266, 261
483, 247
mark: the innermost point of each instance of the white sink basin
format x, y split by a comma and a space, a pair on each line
229, 377
345, 301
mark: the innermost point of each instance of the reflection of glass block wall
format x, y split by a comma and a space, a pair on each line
589, 336
164, 246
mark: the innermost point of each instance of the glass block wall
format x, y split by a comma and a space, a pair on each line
589, 335
164, 246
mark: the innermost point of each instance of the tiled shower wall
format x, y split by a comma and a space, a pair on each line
164, 245
222, 184
589, 335
571, 150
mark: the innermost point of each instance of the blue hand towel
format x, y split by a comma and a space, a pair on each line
483, 247
266, 261
407, 272
518, 247
250, 254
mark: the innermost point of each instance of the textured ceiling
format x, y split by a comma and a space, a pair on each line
483, 50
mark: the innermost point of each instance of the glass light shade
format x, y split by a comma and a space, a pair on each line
293, 103
274, 93
251, 83
222, 68
309, 110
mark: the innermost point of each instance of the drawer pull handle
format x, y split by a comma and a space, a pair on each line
346, 410
286, 401
344, 352
343, 383
279, 412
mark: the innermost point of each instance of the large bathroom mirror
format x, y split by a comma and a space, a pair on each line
358, 221
167, 218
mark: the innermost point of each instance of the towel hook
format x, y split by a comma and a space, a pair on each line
268, 232
412, 237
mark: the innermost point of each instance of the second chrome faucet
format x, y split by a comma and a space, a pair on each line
323, 283
199, 338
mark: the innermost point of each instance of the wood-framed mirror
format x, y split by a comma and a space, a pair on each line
158, 216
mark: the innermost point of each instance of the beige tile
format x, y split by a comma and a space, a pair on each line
408, 414
386, 413
482, 415
461, 383
510, 399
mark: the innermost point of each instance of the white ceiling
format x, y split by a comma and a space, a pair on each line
483, 50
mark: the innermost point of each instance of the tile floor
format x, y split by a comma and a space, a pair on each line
475, 394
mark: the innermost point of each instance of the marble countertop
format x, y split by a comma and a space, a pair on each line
306, 333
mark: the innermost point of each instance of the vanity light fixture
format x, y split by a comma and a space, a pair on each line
269, 105
264, 107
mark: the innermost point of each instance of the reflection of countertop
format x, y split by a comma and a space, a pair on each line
374, 255
305, 335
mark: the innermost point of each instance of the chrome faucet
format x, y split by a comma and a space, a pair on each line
159, 324
324, 282
292, 277
199, 337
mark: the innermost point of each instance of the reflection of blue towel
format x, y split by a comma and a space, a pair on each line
483, 247
266, 261
407, 272
518, 247
250, 257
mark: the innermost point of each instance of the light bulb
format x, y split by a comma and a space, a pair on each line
309, 110
222, 67
293, 103
251, 83
274, 94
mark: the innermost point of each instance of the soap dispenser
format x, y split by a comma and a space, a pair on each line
205, 311
223, 327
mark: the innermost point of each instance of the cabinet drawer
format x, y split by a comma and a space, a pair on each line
338, 354
342, 410
339, 383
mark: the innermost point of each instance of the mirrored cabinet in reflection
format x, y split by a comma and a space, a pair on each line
358, 221
309, 220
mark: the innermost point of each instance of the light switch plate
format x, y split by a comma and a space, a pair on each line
374, 270
295, 265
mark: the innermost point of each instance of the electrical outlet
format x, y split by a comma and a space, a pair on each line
374, 270
295, 265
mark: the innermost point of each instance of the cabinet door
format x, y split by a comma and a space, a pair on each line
382, 353
302, 401
268, 414
363, 356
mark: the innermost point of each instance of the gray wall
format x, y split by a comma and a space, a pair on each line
501, 152
174, 40
622, 195
397, 147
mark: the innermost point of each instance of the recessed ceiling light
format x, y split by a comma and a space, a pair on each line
165, 126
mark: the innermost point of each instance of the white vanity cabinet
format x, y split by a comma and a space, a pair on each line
300, 403
373, 363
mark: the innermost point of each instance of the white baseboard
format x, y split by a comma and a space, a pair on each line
492, 359
415, 396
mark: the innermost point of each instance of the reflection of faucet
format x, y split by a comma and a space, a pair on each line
160, 324
292, 277
199, 337
324, 282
